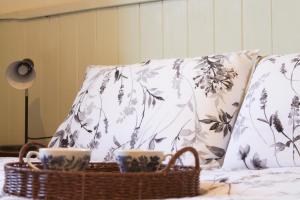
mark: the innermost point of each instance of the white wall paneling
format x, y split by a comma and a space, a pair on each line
11, 117
175, 28
228, 25
50, 76
128, 34
151, 30
4, 59
86, 38
200, 27
285, 24
107, 36
257, 27
68, 61
62, 46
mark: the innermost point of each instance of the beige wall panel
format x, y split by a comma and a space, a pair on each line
86, 42
4, 43
200, 27
228, 21
286, 26
151, 30
51, 83
106, 36
129, 35
12, 100
33, 50
16, 97
257, 29
68, 71
175, 28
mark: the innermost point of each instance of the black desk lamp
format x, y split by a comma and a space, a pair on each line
20, 75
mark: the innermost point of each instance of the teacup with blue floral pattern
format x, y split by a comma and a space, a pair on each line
65, 159
139, 160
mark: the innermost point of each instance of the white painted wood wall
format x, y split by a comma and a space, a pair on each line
62, 46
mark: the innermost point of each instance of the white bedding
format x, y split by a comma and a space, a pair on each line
278, 183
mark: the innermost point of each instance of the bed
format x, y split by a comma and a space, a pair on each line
260, 156
218, 184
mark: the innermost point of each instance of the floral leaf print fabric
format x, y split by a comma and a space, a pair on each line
159, 105
267, 131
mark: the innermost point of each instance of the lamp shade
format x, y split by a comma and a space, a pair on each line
21, 74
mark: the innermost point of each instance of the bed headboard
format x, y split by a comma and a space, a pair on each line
63, 45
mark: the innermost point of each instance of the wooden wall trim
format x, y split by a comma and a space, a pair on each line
70, 7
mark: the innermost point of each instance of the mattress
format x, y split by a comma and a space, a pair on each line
277, 183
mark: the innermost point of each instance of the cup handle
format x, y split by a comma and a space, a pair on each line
165, 156
28, 157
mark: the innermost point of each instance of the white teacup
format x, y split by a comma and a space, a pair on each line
139, 160
66, 159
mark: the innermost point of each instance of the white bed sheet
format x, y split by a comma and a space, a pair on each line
278, 183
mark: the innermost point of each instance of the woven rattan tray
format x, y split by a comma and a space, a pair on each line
103, 181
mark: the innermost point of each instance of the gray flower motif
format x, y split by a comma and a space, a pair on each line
258, 163
93, 144
244, 151
213, 77
296, 59
283, 69
104, 83
64, 142
98, 135
272, 60
277, 123
294, 112
263, 99
243, 154
73, 138
295, 102
176, 66
105, 121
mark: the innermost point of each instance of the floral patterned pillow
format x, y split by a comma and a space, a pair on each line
160, 104
267, 132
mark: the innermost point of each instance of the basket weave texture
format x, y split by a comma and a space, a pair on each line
103, 181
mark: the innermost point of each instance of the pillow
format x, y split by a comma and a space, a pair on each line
267, 132
160, 104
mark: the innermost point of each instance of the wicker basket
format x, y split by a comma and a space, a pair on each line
103, 181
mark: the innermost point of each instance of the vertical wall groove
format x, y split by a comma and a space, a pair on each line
96, 39
59, 66
118, 42
58, 74
271, 17
214, 25
76, 52
162, 28
139, 28
242, 24
187, 28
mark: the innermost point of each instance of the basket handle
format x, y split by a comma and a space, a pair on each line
178, 154
25, 148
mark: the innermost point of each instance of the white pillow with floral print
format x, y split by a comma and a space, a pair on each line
267, 131
160, 104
